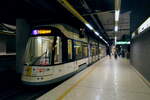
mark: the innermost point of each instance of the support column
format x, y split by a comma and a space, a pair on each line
22, 35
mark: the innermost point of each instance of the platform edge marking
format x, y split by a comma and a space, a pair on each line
75, 85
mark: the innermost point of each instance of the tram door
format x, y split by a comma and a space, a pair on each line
71, 57
78, 53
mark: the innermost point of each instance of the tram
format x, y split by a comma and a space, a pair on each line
55, 52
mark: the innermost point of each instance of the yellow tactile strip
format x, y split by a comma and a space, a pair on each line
75, 85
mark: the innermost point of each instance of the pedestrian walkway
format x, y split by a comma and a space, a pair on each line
108, 79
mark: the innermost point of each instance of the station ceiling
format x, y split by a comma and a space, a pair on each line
99, 13
8, 11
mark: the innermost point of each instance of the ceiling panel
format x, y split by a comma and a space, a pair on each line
107, 19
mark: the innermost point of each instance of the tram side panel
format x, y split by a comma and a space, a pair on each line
90, 54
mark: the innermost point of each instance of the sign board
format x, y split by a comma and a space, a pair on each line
122, 42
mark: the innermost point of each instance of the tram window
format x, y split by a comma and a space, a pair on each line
69, 49
99, 50
93, 51
78, 49
85, 50
39, 51
96, 50
58, 51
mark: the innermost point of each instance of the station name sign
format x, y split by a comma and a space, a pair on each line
122, 42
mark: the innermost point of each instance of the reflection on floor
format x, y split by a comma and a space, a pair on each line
108, 79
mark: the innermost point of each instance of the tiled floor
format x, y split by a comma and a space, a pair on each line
108, 79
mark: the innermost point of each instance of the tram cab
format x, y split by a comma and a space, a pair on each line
44, 48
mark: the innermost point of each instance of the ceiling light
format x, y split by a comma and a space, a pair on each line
116, 29
144, 26
96, 33
89, 26
100, 37
117, 15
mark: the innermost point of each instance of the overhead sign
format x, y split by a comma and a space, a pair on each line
122, 42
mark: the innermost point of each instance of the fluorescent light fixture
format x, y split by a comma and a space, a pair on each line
117, 15
105, 42
116, 28
96, 33
100, 37
89, 26
144, 26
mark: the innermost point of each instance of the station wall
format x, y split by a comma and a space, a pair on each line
140, 53
7, 46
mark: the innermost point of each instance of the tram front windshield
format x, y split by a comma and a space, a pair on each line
43, 50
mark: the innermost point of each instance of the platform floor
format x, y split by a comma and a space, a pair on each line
107, 79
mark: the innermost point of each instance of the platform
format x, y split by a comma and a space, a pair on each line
107, 79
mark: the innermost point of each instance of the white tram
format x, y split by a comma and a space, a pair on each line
54, 52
